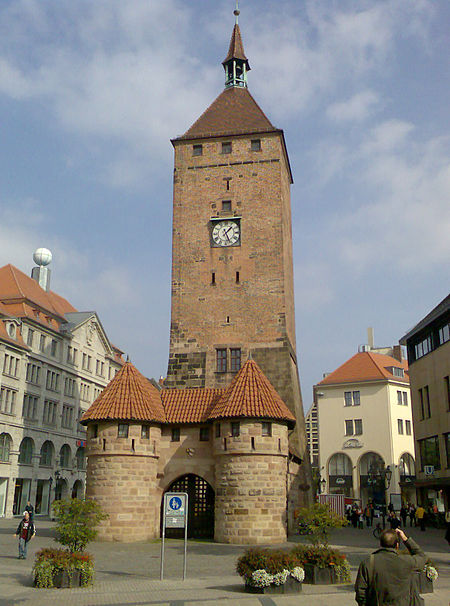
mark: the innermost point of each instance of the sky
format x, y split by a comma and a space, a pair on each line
92, 91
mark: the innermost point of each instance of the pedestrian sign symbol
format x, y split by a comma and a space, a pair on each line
175, 503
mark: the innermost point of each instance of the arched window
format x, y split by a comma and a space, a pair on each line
407, 465
47, 451
5, 447
340, 465
80, 456
64, 456
371, 462
26, 451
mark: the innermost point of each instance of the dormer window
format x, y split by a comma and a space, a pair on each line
12, 330
397, 372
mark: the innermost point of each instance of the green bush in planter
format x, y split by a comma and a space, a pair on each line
77, 522
323, 557
319, 520
49, 562
269, 563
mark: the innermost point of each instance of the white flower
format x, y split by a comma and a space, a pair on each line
260, 578
298, 573
280, 578
431, 573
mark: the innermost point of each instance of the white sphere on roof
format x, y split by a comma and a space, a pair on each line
42, 256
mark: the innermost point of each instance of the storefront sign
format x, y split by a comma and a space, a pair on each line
429, 470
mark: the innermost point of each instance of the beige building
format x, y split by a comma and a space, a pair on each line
54, 362
366, 444
428, 345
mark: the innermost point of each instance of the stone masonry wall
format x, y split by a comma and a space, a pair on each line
251, 484
121, 477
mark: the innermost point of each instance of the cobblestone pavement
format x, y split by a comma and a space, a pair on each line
128, 574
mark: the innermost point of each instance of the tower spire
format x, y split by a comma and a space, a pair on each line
236, 64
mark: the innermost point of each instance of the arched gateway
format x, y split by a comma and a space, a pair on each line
200, 507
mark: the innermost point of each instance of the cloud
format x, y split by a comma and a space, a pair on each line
356, 109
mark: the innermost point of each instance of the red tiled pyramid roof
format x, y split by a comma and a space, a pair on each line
189, 405
367, 366
236, 50
233, 112
251, 395
129, 396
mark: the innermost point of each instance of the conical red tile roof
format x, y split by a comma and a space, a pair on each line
251, 395
236, 50
129, 396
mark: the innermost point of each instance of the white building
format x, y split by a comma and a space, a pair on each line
54, 361
365, 428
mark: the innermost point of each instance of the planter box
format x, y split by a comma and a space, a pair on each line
423, 583
291, 586
63, 579
320, 576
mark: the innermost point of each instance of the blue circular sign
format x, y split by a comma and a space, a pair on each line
175, 503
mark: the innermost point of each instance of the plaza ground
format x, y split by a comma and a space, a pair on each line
129, 573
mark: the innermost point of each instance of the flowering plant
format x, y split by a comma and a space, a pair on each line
431, 572
264, 567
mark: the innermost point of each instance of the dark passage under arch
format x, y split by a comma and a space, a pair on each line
201, 507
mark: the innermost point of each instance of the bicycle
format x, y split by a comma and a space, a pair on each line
377, 531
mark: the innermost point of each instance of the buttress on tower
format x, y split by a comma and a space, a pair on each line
232, 266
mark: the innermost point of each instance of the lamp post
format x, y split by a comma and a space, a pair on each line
380, 474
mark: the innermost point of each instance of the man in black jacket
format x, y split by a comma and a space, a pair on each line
25, 531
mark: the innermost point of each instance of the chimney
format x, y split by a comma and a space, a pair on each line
397, 353
42, 257
370, 337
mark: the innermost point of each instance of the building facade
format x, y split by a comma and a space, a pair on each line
54, 362
428, 346
312, 435
232, 266
366, 443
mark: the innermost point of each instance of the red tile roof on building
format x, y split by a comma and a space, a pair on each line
251, 395
236, 50
129, 396
189, 405
234, 112
18, 292
367, 366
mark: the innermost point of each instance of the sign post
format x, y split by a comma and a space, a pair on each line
175, 512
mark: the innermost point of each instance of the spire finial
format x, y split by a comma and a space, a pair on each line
237, 12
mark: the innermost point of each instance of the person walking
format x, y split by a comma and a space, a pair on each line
394, 522
29, 507
404, 514
367, 515
25, 531
387, 576
412, 515
420, 516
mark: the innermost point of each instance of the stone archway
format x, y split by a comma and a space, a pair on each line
200, 507
77, 490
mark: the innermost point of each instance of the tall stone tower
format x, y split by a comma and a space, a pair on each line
232, 268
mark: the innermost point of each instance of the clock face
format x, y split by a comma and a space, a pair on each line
226, 233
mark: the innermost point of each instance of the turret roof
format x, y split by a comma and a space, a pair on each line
251, 395
129, 396
236, 50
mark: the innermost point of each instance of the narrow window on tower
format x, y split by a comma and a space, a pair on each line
175, 434
235, 360
235, 429
237, 277
256, 145
221, 359
226, 205
213, 277
227, 181
226, 148
197, 150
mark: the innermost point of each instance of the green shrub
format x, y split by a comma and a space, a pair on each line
76, 522
319, 519
273, 561
319, 555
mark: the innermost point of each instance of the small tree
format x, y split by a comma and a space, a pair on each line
76, 522
319, 520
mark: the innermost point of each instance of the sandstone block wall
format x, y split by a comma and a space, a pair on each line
121, 477
251, 485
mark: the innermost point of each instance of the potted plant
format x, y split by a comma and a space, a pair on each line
322, 564
76, 526
426, 576
270, 571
